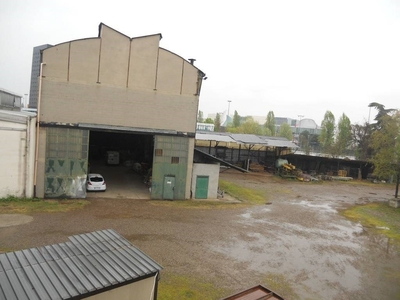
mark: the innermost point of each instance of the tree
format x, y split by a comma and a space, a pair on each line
270, 122
385, 143
361, 133
343, 139
361, 136
286, 131
236, 119
200, 118
304, 141
313, 142
381, 113
251, 127
326, 137
217, 123
209, 121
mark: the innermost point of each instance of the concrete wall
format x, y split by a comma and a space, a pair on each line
143, 289
79, 103
17, 157
40, 163
170, 147
211, 170
190, 168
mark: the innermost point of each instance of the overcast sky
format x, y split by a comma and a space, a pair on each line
290, 57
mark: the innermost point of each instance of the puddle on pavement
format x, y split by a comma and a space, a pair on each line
329, 253
323, 207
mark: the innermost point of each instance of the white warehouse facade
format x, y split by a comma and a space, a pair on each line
17, 161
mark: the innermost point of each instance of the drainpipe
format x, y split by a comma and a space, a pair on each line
37, 128
27, 156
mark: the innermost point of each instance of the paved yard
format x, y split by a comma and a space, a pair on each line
298, 239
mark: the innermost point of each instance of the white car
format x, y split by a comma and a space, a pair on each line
95, 182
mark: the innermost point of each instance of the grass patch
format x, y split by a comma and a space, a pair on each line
375, 216
277, 283
243, 194
16, 205
179, 287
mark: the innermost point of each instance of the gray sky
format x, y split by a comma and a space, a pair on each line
291, 57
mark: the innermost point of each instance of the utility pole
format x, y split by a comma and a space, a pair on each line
298, 138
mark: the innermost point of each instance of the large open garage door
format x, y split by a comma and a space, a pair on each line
125, 160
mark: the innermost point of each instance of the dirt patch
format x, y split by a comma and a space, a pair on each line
7, 220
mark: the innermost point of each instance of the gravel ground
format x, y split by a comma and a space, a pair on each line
298, 239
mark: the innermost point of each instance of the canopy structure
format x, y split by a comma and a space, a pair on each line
236, 140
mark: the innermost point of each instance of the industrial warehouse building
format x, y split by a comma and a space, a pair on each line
10, 100
113, 92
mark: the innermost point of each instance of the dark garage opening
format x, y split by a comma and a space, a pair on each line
130, 177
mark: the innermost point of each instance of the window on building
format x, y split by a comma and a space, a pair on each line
174, 160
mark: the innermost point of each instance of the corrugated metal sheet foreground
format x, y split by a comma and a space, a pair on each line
88, 263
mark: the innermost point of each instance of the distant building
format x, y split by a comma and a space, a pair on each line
36, 60
205, 127
10, 100
297, 125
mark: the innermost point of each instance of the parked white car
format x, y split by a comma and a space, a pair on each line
95, 182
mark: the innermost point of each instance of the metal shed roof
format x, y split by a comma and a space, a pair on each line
87, 264
16, 116
274, 141
249, 139
210, 136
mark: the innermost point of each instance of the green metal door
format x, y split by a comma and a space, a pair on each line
201, 187
168, 188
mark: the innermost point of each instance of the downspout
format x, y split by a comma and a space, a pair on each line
154, 291
37, 129
27, 156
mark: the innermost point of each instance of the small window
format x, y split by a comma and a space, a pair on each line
158, 152
174, 160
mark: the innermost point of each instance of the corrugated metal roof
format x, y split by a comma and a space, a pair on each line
249, 139
88, 263
9, 92
278, 142
210, 136
16, 116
